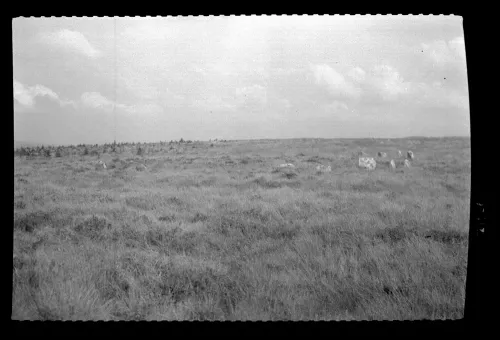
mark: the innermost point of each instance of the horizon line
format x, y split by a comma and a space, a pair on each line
244, 139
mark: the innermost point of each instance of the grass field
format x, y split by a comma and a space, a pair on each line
214, 232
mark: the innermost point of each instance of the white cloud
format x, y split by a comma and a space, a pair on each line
337, 110
172, 72
71, 40
388, 82
143, 108
96, 100
171, 99
22, 95
436, 95
252, 97
26, 95
336, 83
281, 71
357, 74
457, 45
442, 53
336, 105
199, 70
212, 103
284, 103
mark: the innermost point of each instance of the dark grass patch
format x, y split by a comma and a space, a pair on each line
92, 227
393, 187
368, 186
30, 277
338, 298
292, 184
144, 219
173, 240
186, 183
282, 231
110, 183
370, 268
331, 236
460, 270
392, 195
209, 181
228, 161
270, 184
199, 217
392, 235
176, 201
253, 224
401, 220
130, 236
167, 218
455, 190
140, 203
204, 311
133, 264
19, 205
265, 183
18, 263
234, 225
114, 285
80, 169
181, 283
274, 306
164, 180
442, 167
446, 237
31, 221
289, 175
318, 159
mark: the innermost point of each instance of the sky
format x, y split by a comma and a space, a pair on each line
94, 80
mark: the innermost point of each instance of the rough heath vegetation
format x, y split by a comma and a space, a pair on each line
219, 231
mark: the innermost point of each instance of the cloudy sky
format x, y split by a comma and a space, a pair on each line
76, 81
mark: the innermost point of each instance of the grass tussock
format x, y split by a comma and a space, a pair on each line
215, 231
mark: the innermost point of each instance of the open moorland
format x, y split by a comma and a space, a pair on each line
218, 231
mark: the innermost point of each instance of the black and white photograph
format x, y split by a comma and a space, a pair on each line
240, 168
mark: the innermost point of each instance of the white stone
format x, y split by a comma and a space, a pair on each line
324, 168
367, 163
101, 165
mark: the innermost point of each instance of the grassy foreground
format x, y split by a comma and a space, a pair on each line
205, 231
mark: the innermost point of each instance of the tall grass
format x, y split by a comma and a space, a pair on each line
213, 233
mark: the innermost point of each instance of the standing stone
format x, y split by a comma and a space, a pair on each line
367, 163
